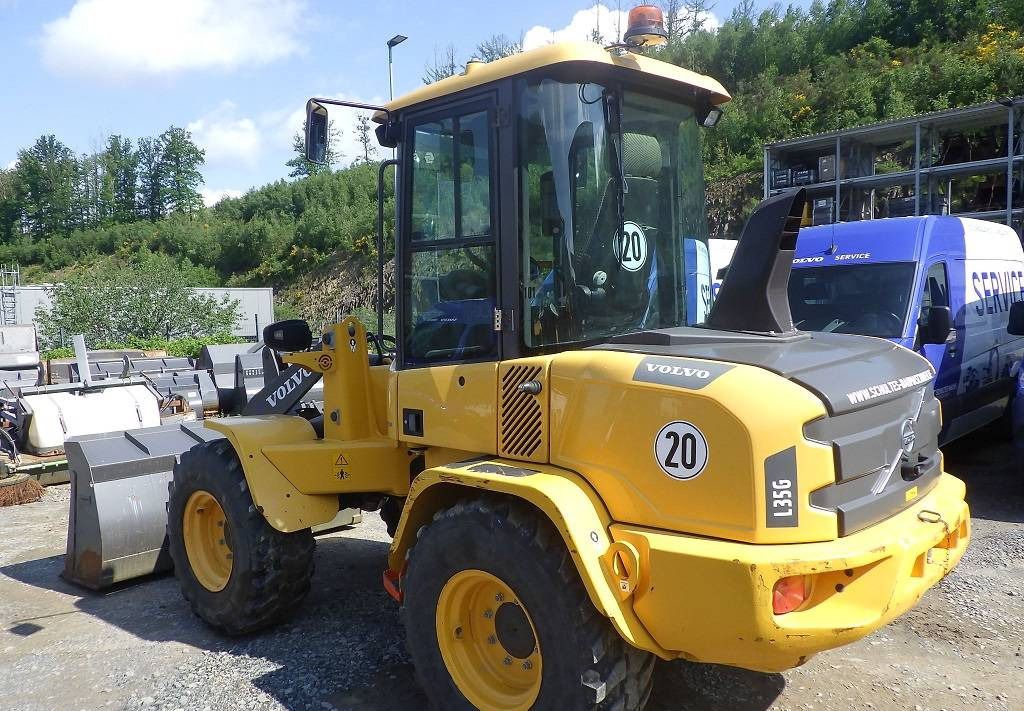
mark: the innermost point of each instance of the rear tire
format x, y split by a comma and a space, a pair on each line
243, 575
580, 662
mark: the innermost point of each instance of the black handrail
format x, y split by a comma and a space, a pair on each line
380, 242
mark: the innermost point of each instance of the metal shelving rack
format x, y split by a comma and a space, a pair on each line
10, 280
857, 188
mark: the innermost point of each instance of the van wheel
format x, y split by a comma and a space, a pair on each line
497, 618
238, 573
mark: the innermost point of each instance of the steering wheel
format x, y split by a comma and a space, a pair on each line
897, 322
893, 323
383, 344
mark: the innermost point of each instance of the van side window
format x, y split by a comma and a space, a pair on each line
936, 291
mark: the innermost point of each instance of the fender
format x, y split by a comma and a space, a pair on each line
285, 507
568, 501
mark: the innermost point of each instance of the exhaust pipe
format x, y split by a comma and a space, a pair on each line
755, 293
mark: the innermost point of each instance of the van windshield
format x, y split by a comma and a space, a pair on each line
865, 299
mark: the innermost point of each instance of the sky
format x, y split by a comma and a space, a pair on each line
237, 73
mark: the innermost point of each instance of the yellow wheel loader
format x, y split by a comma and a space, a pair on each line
583, 467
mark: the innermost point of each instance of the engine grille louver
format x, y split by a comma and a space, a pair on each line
521, 431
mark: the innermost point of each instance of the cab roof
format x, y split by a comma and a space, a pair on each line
479, 73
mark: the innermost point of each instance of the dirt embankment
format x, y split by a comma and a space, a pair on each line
341, 286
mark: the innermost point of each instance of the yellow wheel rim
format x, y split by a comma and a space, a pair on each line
207, 541
488, 642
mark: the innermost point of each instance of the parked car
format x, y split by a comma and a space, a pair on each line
939, 285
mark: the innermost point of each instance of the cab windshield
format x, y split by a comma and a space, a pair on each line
613, 213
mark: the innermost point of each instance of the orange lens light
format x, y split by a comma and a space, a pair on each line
789, 594
645, 15
645, 27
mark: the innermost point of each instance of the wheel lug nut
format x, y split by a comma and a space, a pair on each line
488, 614
492, 640
507, 661
527, 665
458, 633
499, 597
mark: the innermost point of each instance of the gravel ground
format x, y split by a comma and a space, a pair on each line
139, 647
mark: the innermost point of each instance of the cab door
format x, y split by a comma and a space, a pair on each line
448, 279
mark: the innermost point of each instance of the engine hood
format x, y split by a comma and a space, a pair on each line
848, 373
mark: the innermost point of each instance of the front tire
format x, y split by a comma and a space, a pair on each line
497, 619
237, 572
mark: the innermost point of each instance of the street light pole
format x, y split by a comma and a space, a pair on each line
392, 43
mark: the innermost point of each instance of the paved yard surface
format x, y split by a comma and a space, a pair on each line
140, 646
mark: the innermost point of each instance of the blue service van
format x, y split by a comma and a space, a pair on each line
939, 285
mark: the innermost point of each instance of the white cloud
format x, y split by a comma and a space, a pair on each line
227, 138
598, 19
211, 197
608, 24
12, 165
282, 124
131, 39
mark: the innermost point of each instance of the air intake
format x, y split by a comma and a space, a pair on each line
755, 295
522, 413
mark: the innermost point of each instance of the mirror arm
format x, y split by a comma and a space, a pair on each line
352, 105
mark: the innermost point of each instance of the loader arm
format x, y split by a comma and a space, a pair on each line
295, 476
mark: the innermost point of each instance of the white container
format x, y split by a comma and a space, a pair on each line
57, 416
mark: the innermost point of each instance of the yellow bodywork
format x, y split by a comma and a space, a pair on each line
571, 505
683, 569
711, 600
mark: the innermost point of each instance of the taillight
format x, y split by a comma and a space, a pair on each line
789, 594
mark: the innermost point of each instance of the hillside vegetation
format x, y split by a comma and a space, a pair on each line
791, 72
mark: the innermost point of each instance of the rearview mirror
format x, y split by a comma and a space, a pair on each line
288, 336
1015, 324
938, 325
316, 132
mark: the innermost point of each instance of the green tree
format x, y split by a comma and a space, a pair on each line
45, 188
367, 141
121, 175
151, 196
444, 65
301, 166
497, 47
10, 208
150, 297
181, 159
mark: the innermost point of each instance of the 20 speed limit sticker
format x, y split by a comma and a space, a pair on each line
681, 450
631, 247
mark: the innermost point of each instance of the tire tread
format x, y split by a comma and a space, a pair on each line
619, 677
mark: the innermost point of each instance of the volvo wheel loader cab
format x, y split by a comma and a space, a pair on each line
580, 476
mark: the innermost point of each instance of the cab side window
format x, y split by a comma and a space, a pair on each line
936, 292
450, 273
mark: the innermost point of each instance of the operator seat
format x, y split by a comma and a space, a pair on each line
642, 167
